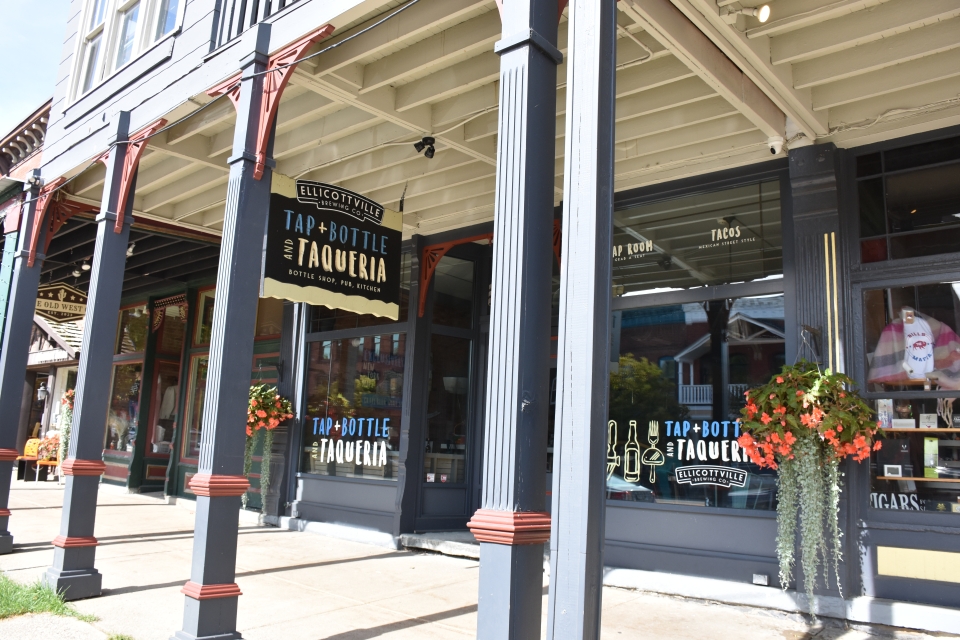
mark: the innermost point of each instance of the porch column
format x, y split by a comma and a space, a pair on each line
211, 595
512, 524
15, 349
576, 542
73, 572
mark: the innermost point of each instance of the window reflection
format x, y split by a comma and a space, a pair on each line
447, 409
123, 416
354, 400
732, 235
675, 396
453, 293
133, 330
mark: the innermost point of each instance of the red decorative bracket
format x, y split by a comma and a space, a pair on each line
39, 214
279, 68
432, 254
135, 147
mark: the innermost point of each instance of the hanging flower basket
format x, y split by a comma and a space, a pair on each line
66, 421
803, 423
265, 411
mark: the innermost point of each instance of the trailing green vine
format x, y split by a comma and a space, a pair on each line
66, 422
803, 423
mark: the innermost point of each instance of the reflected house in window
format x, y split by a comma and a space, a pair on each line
752, 345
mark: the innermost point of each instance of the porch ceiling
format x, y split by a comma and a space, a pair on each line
848, 71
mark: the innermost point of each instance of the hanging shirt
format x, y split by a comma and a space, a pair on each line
918, 349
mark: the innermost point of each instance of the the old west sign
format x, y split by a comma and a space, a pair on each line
329, 246
60, 303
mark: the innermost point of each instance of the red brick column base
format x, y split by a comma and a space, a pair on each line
66, 542
75, 467
510, 527
210, 591
217, 486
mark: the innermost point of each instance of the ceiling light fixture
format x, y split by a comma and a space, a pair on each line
75, 272
761, 13
131, 248
85, 266
425, 145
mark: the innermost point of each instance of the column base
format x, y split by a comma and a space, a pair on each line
183, 635
6, 543
74, 584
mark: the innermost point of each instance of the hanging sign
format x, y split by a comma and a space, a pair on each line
329, 246
60, 303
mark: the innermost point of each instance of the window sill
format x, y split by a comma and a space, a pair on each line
157, 54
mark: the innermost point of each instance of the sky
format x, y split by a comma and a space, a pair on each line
31, 44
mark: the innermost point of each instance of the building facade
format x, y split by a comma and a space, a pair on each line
780, 190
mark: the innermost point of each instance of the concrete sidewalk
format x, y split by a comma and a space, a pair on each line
302, 585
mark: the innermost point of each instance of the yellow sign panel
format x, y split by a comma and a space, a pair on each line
61, 303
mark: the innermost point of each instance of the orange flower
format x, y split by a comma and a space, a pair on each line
876, 445
765, 419
779, 380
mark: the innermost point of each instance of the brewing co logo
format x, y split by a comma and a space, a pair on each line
700, 475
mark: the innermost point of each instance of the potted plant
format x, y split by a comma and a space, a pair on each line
265, 411
802, 423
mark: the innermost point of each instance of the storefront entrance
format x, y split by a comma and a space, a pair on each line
458, 316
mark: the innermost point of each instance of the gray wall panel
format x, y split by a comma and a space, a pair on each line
702, 530
342, 492
443, 502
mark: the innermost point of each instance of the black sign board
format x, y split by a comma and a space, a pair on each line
60, 303
329, 246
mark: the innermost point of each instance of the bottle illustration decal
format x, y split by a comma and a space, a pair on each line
613, 458
631, 455
653, 457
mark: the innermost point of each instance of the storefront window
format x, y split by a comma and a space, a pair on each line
269, 318
124, 413
732, 235
913, 354
170, 338
133, 329
204, 318
166, 399
675, 398
326, 319
354, 392
447, 409
198, 388
453, 293
909, 201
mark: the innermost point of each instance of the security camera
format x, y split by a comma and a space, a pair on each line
775, 144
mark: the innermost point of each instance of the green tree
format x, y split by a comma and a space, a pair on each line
639, 391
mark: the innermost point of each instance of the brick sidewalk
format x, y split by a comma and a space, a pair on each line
301, 585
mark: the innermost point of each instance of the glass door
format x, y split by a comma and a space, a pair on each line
454, 368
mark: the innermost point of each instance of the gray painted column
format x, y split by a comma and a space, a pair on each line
14, 352
576, 542
73, 572
512, 524
210, 605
